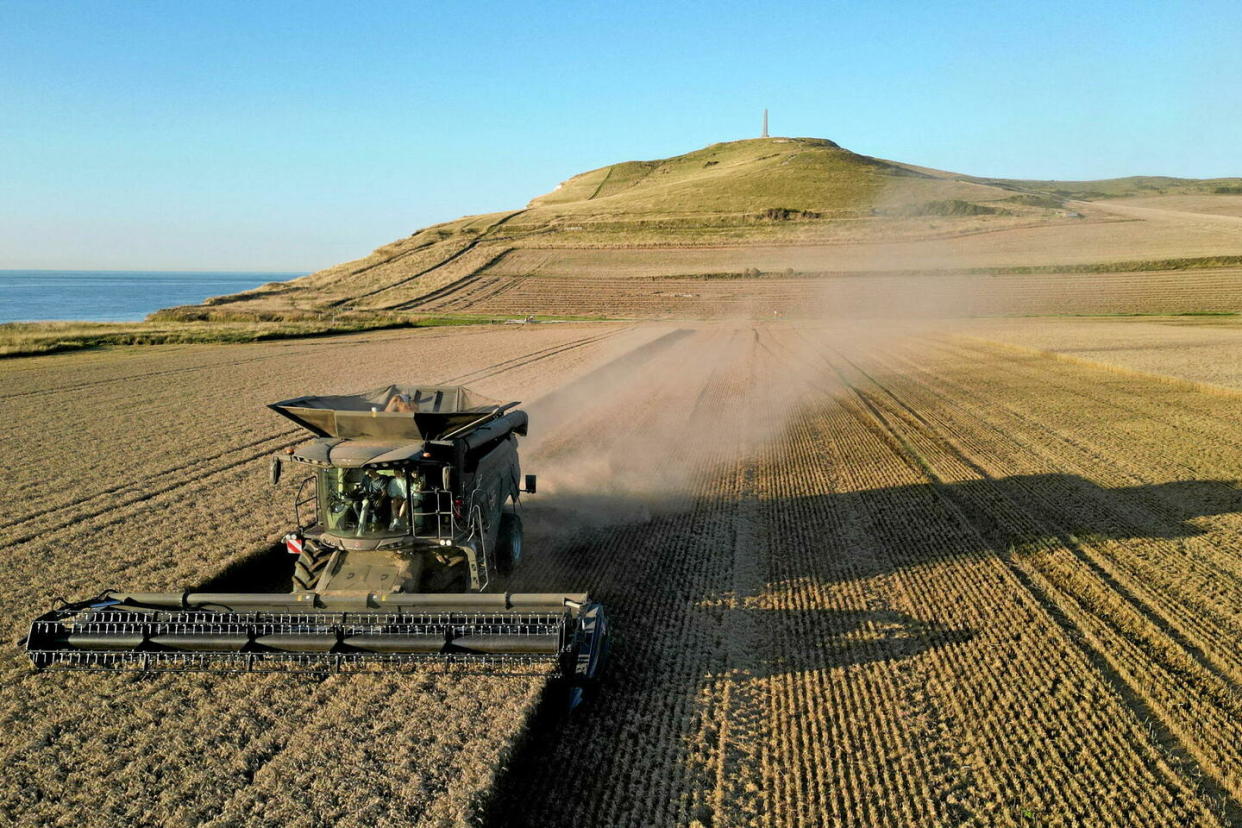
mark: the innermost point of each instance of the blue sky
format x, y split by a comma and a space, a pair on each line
294, 135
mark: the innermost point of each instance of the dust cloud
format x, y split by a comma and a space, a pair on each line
627, 441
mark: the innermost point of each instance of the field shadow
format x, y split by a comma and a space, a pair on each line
854, 637
661, 567
266, 569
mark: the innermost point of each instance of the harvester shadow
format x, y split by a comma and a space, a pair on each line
850, 638
266, 569
661, 567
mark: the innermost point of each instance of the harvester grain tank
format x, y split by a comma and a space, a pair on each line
406, 532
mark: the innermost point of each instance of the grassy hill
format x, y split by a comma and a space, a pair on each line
1135, 185
771, 204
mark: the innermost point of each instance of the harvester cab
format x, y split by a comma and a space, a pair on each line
408, 489
406, 530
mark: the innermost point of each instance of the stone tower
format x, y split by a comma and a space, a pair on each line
765, 124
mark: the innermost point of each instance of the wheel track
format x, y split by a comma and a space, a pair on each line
1097, 640
474, 280
1152, 609
475, 242
943, 781
1118, 572
742, 731
673, 696
1211, 430
1038, 597
194, 478
1213, 579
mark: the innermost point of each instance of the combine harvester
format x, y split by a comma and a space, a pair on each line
402, 527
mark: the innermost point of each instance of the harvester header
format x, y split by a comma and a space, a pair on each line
407, 533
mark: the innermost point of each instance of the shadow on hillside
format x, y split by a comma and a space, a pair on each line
665, 573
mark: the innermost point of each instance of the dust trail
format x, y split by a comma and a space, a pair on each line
603, 447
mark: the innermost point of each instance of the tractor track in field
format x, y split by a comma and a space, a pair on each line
471, 245
1210, 430
1201, 604
470, 280
1221, 665
1122, 518
1094, 634
680, 695
758, 772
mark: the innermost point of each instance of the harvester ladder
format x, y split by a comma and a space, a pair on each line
480, 572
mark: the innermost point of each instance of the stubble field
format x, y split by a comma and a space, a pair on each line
858, 577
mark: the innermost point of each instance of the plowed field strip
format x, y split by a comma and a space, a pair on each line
929, 590
1019, 442
674, 688
1049, 499
1162, 458
283, 352
815, 546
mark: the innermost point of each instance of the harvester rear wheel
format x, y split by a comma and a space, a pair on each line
509, 543
309, 566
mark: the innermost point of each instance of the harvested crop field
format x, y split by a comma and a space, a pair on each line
844, 296
1197, 349
857, 578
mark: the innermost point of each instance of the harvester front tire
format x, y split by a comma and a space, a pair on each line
308, 567
509, 543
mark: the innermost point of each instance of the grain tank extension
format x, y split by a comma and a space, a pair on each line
406, 535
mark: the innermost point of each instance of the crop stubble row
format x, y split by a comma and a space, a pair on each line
911, 667
266, 749
1159, 656
869, 596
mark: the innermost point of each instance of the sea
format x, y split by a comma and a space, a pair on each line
113, 295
